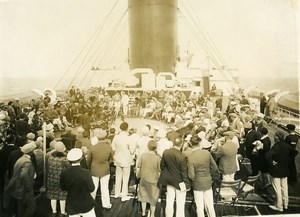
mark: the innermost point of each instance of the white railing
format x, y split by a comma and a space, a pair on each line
283, 117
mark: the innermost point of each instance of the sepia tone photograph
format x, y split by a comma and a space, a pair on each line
157, 108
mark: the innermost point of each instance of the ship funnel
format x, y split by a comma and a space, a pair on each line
153, 34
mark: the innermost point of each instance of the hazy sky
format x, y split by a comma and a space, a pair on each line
41, 38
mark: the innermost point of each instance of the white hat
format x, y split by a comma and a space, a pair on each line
94, 140
60, 147
101, 134
162, 133
187, 115
39, 139
260, 115
74, 154
188, 137
68, 129
145, 131
206, 121
248, 125
49, 127
52, 144
30, 136
29, 147
201, 135
2, 116
233, 103
155, 127
230, 134
80, 130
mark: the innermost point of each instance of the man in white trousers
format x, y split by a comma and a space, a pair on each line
99, 157
174, 176
124, 102
123, 159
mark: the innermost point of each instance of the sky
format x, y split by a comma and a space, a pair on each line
41, 38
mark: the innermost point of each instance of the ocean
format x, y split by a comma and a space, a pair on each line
11, 88
286, 84
21, 87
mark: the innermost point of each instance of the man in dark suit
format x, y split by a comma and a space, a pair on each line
79, 185
292, 140
174, 176
20, 187
249, 144
262, 103
100, 155
22, 129
278, 161
8, 147
68, 138
86, 122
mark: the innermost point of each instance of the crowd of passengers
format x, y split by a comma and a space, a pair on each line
202, 140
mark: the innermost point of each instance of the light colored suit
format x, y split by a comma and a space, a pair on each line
98, 160
200, 166
227, 154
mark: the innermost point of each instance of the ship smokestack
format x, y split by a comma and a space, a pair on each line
153, 34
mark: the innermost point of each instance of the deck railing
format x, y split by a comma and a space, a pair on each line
283, 117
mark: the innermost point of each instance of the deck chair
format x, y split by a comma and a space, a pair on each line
228, 192
249, 186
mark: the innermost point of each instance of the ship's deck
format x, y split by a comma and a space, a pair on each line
253, 204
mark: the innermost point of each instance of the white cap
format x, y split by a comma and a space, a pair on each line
201, 135
74, 154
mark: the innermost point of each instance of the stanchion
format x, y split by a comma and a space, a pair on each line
43, 188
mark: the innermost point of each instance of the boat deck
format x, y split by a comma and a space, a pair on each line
253, 204
256, 204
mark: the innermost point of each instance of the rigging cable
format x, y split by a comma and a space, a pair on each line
216, 50
114, 28
97, 33
212, 45
204, 47
208, 49
105, 47
208, 52
119, 36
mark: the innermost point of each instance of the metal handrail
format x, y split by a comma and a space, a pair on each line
283, 117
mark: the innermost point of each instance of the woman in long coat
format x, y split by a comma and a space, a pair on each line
149, 173
57, 162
